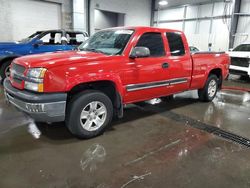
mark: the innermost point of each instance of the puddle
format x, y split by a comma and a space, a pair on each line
136, 178
92, 156
154, 101
233, 97
103, 185
11, 118
33, 130
228, 105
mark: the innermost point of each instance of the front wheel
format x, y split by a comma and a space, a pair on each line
208, 93
89, 113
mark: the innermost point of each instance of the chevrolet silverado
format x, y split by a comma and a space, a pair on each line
87, 87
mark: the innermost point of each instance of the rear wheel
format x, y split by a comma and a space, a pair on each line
208, 93
5, 70
89, 113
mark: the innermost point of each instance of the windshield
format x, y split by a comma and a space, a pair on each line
243, 48
111, 42
29, 38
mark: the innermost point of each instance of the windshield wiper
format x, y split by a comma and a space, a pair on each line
93, 50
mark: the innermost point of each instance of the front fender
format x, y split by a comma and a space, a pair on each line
73, 81
61, 79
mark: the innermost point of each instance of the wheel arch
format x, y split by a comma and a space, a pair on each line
107, 87
217, 72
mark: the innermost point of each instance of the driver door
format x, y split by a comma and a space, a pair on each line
146, 77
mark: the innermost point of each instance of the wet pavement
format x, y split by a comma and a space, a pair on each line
237, 81
154, 145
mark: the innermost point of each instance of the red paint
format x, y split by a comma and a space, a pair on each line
68, 69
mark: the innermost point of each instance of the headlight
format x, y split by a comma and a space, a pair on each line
36, 73
34, 79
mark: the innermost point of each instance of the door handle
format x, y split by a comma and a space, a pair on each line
165, 65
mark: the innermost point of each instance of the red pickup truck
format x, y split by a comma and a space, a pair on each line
117, 66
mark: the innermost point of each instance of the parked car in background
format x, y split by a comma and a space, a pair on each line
115, 67
193, 49
39, 42
240, 60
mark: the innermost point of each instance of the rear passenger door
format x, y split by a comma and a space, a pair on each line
179, 62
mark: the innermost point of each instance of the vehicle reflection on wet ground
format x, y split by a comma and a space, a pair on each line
156, 144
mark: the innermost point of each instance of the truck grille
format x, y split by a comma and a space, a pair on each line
240, 62
17, 80
17, 72
19, 69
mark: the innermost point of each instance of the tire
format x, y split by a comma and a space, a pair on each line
3, 69
82, 106
208, 93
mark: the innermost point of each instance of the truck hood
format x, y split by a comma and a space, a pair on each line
239, 54
52, 59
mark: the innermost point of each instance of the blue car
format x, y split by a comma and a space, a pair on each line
39, 42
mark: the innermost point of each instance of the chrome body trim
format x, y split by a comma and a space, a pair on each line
149, 85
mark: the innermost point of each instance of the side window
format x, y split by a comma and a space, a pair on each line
175, 44
52, 39
154, 42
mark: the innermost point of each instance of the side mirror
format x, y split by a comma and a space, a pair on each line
139, 52
38, 43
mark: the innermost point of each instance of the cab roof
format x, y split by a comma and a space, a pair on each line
145, 28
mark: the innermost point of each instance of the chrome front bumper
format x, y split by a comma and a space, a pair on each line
40, 107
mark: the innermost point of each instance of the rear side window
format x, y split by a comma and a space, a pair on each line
154, 42
175, 44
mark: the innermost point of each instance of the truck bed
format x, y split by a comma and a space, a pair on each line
202, 64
